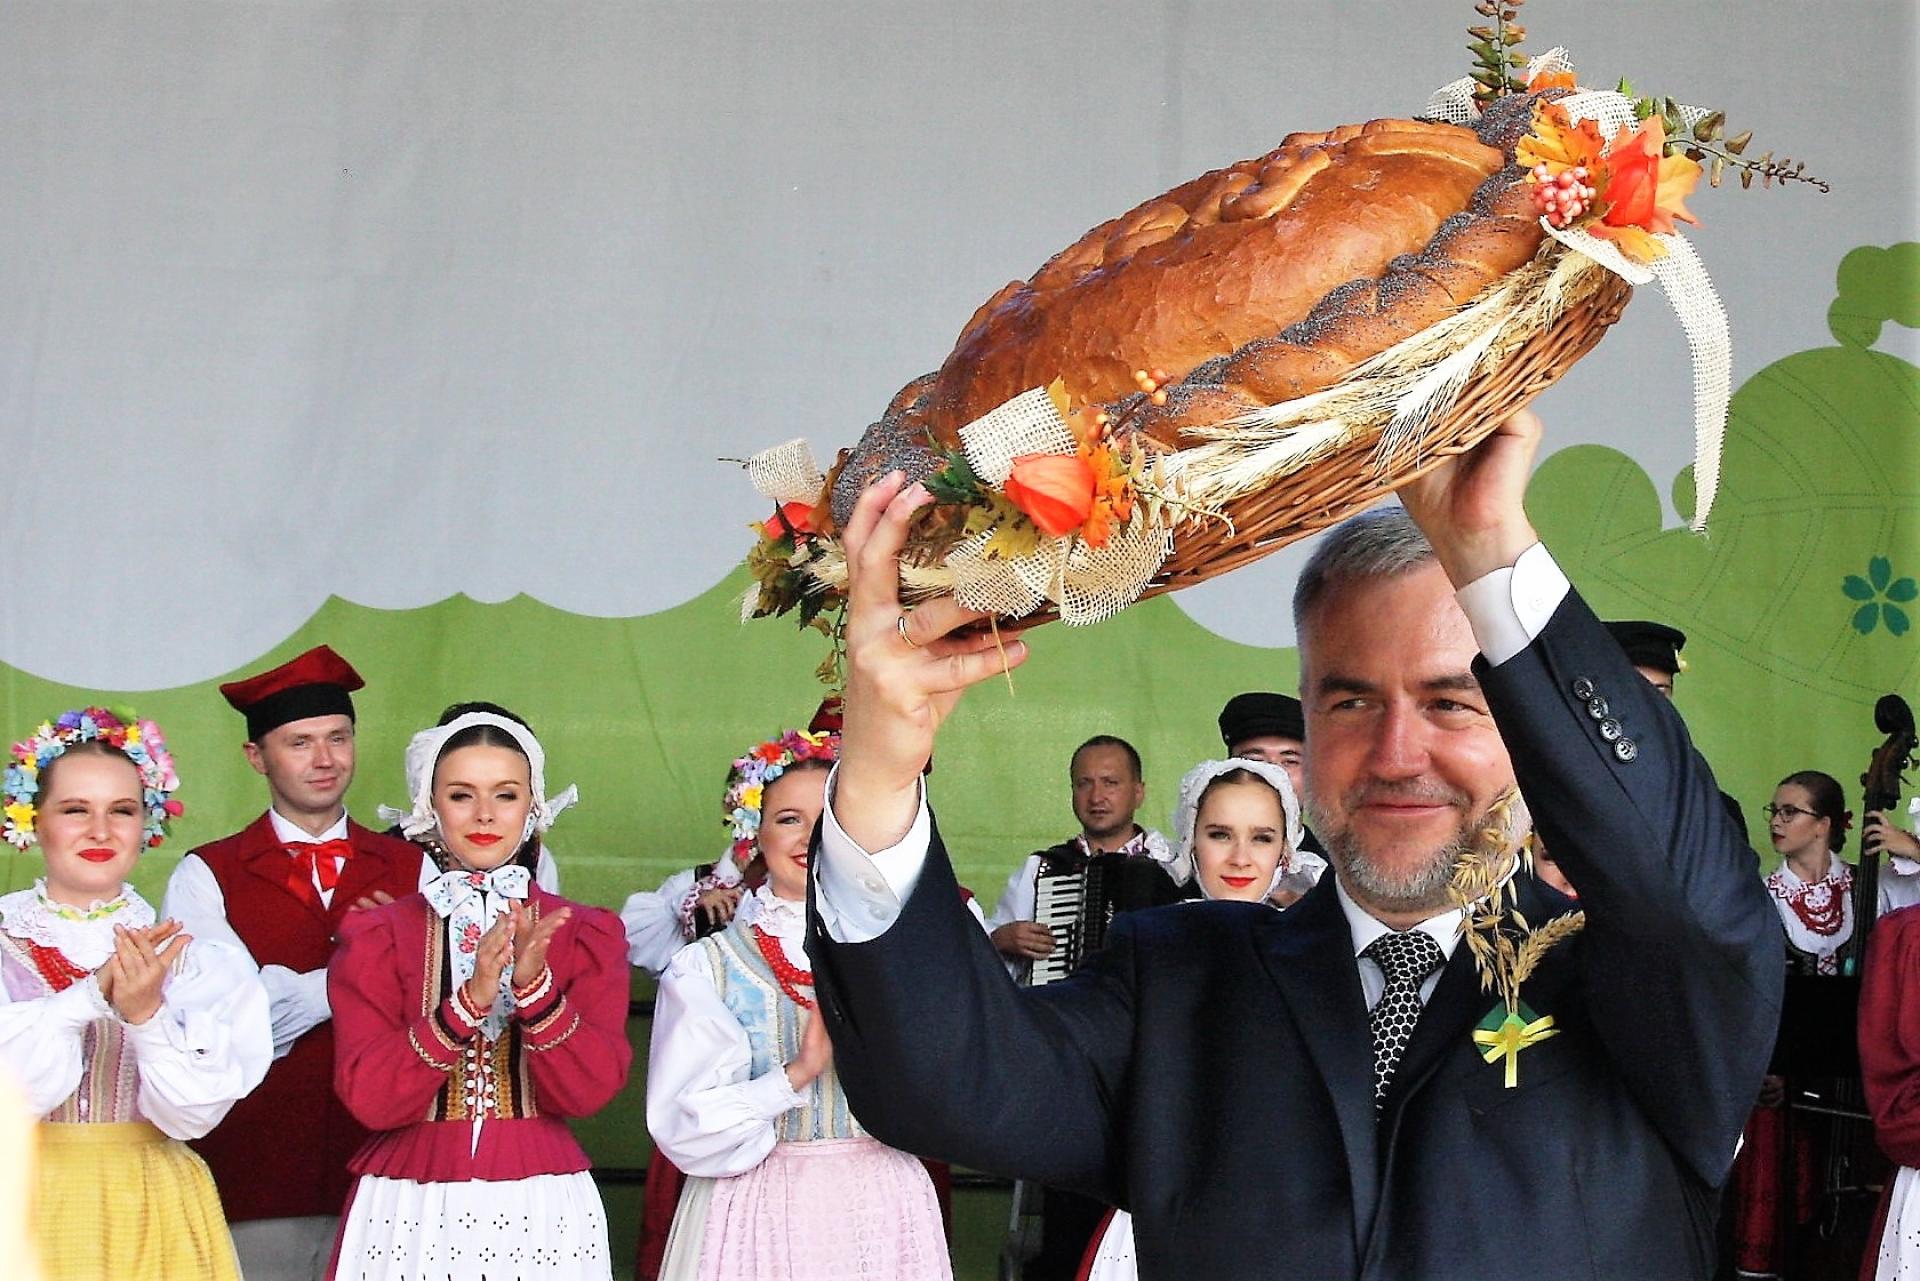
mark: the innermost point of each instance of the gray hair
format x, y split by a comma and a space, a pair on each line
1382, 543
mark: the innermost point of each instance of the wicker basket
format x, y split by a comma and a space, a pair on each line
1349, 480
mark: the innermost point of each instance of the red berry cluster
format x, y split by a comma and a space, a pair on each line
1563, 197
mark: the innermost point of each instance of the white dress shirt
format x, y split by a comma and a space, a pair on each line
860, 893
297, 1002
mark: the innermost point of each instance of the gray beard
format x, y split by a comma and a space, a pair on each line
1422, 888
1425, 887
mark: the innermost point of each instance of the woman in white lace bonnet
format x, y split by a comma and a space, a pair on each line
1238, 825
470, 1020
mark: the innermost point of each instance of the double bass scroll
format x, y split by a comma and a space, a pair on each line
1881, 787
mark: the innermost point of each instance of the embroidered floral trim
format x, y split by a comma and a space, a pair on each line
83, 935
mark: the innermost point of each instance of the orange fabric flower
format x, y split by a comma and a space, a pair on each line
797, 518
1560, 143
1551, 80
1112, 495
1054, 490
1645, 191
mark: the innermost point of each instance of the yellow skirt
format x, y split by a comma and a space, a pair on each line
123, 1202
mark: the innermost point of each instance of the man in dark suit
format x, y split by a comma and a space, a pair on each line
1301, 1094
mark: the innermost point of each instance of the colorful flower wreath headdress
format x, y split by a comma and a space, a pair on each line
749, 777
140, 740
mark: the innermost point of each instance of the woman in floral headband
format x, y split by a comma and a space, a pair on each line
127, 1036
470, 1020
741, 1092
701, 899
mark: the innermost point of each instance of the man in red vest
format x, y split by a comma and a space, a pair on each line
279, 888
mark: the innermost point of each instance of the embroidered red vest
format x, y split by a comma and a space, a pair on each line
282, 1151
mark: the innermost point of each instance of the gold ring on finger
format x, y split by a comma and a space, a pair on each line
900, 625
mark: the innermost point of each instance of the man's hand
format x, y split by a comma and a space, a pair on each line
379, 898
900, 687
1023, 940
1878, 835
719, 903
1471, 508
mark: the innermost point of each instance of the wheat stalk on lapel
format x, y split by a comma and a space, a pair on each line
1482, 886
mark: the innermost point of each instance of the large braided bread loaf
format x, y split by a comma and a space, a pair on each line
1248, 286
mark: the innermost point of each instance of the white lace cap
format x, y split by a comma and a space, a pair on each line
1186, 813
424, 751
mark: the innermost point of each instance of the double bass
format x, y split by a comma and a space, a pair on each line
1818, 1043
1881, 787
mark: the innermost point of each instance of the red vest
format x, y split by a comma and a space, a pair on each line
282, 1151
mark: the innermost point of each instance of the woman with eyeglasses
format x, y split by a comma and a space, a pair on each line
1812, 888
1813, 891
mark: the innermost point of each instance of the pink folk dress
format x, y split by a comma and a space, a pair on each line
782, 1183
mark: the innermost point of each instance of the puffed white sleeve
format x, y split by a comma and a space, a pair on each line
209, 1044
42, 1041
651, 919
297, 1002
705, 1109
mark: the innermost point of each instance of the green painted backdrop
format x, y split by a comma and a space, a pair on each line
1800, 604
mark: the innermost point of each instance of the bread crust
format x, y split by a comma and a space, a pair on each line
1250, 285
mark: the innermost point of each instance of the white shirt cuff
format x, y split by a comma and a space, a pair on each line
772, 1095
860, 893
1509, 608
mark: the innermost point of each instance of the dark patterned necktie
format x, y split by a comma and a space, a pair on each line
1406, 958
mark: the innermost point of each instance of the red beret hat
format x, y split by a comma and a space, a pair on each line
317, 683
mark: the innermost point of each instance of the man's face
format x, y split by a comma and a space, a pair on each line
1288, 753
1403, 760
307, 763
1106, 792
1662, 681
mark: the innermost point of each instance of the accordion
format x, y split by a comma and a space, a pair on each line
1076, 895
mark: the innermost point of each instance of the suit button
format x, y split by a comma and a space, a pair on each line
1583, 689
1610, 729
1626, 749
1597, 708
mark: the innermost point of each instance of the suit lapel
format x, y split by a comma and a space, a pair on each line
1309, 953
1459, 1002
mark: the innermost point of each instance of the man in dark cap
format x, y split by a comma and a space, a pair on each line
1653, 649
279, 888
1262, 726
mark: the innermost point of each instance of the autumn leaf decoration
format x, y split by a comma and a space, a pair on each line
1631, 188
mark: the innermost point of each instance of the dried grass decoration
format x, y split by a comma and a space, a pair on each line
1506, 948
1073, 501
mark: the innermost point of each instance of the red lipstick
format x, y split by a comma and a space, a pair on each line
99, 854
483, 839
1238, 882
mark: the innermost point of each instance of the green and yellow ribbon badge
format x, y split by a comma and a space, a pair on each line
1504, 1033
1505, 946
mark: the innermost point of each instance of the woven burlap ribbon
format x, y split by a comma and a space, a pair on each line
1681, 275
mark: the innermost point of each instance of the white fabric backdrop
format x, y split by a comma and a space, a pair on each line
393, 300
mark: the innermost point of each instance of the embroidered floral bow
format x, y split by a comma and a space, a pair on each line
470, 901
